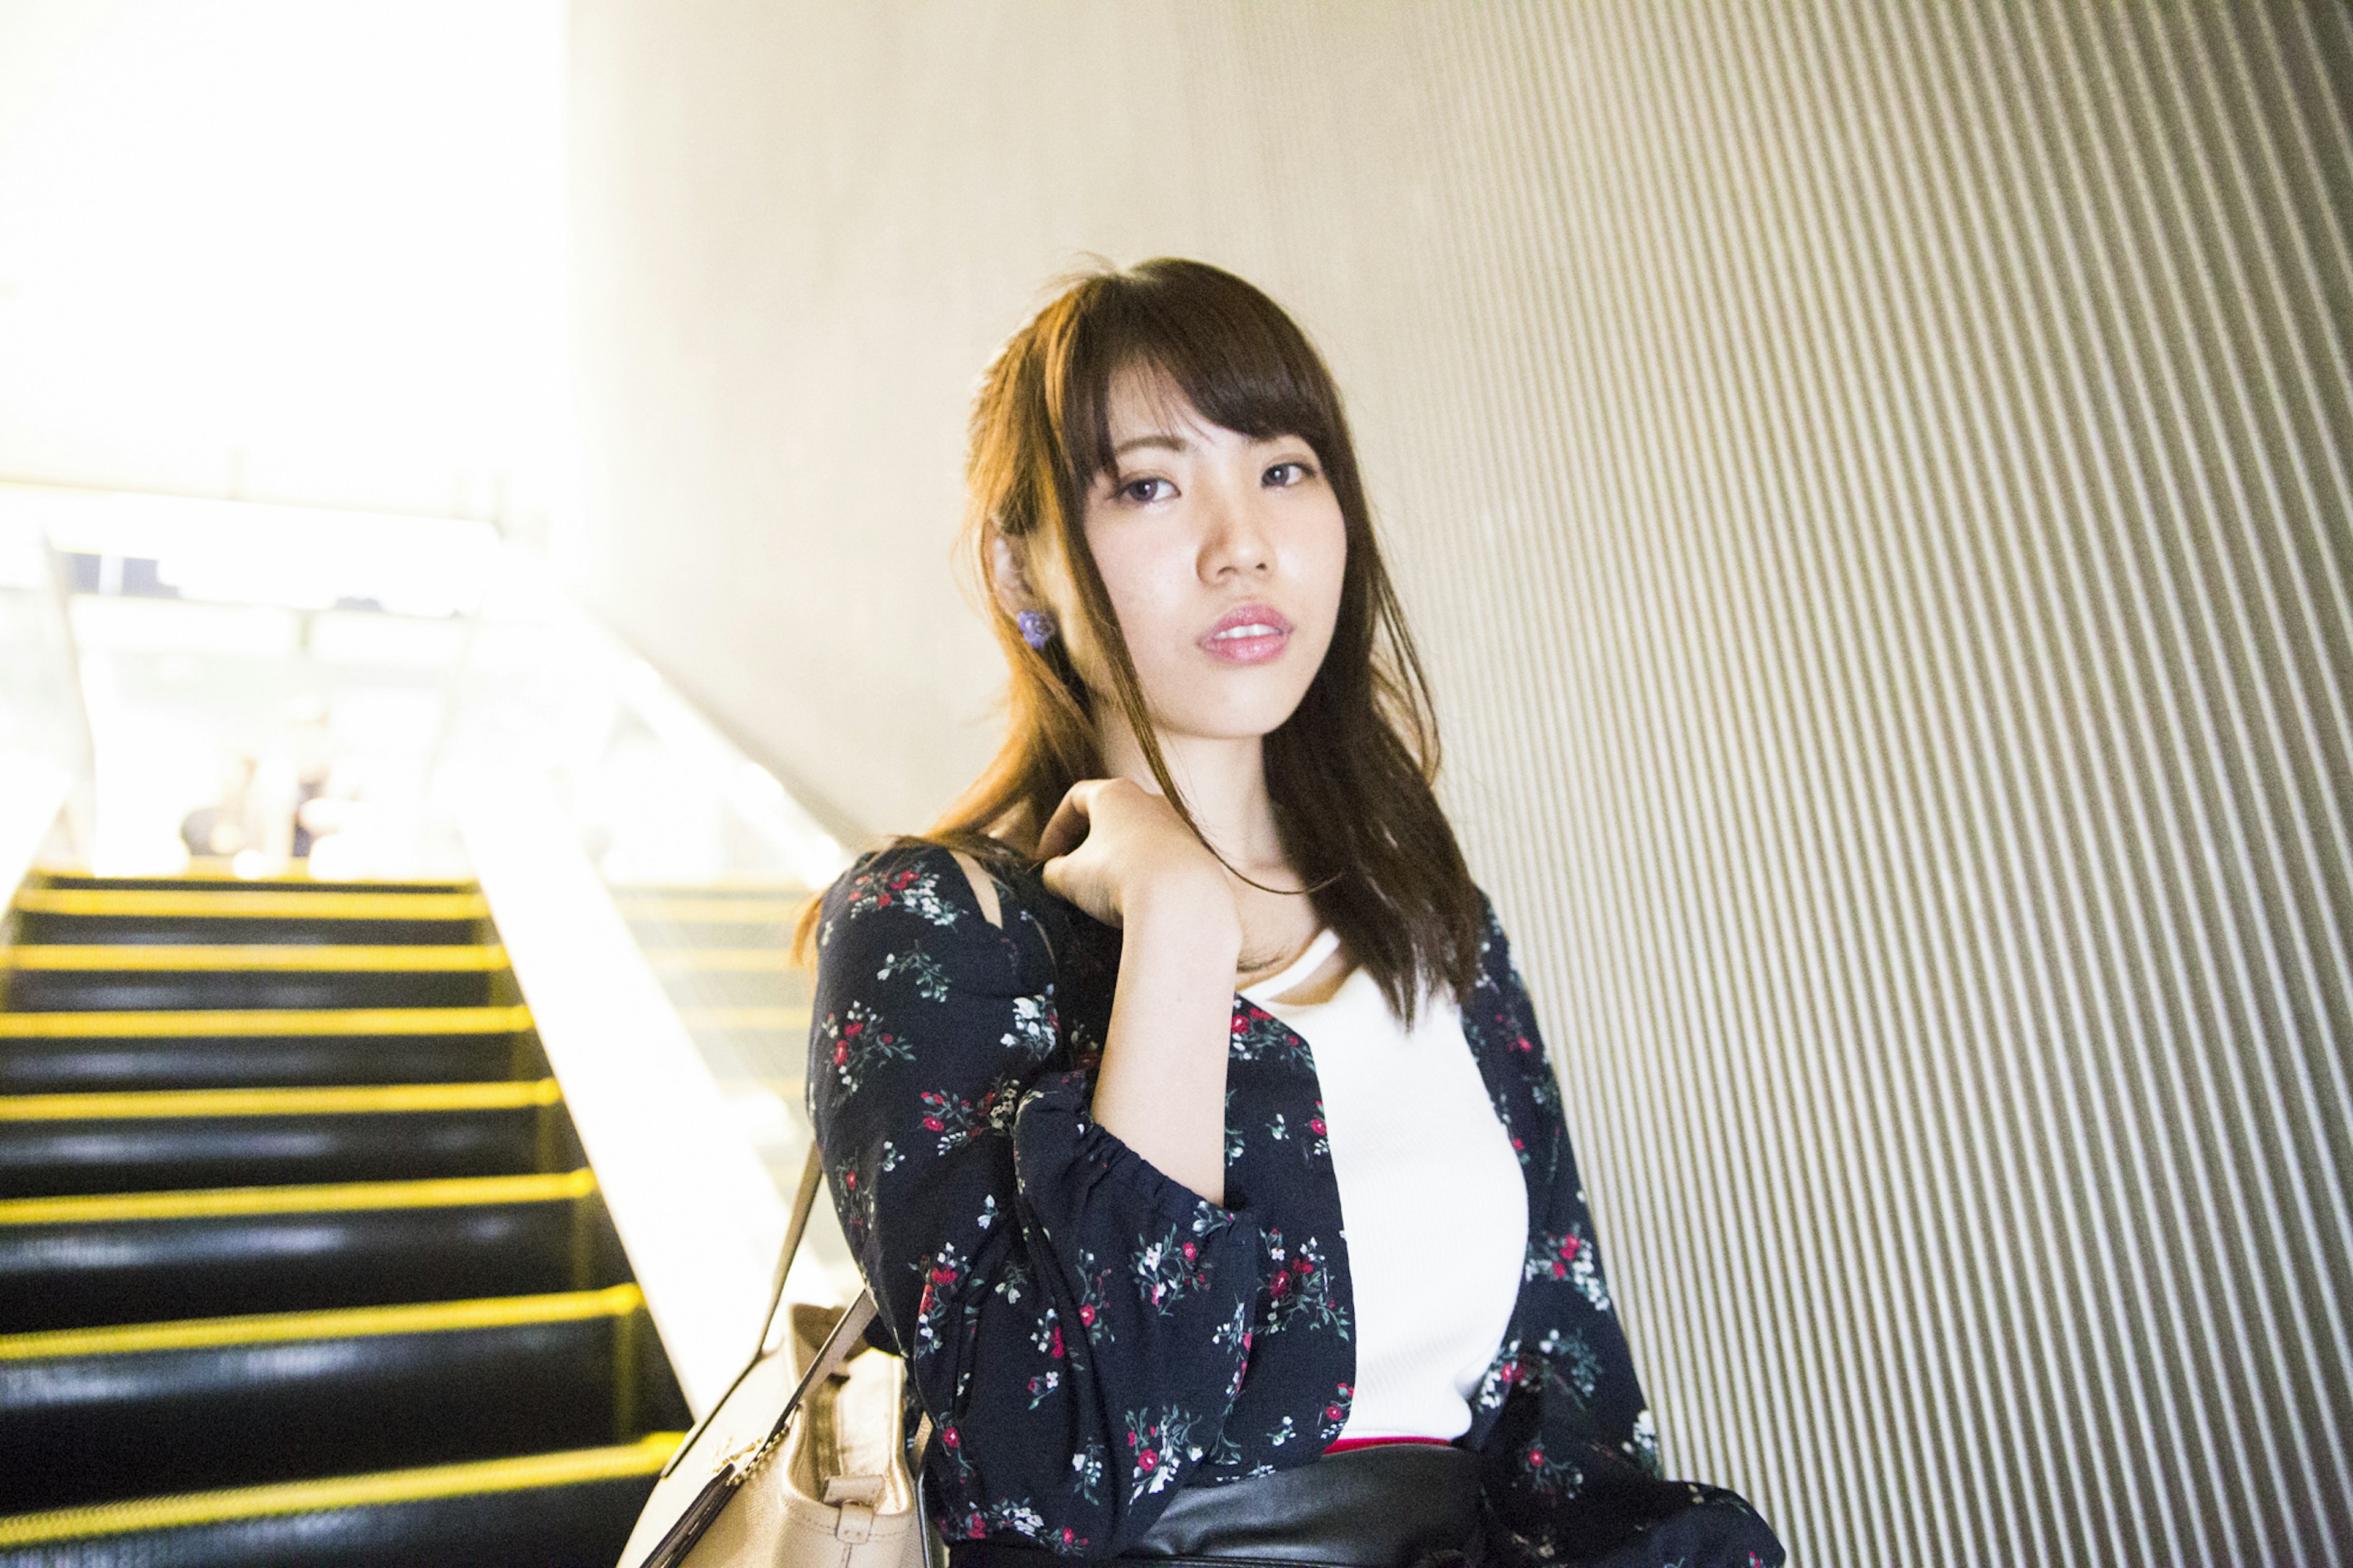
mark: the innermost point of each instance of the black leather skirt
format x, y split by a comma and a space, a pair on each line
1396, 1505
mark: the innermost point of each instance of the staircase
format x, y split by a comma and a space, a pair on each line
300, 1258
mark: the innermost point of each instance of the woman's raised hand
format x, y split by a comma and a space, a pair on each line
1113, 846
1121, 853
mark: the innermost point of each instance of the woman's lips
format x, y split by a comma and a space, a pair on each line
1251, 634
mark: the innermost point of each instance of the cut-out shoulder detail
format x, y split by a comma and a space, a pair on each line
984, 888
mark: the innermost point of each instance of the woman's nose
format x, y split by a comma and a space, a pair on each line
1239, 539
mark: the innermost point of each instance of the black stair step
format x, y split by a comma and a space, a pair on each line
676, 918
151, 990
131, 929
90, 1052
567, 1510
689, 988
230, 1402
79, 1262
72, 881
672, 935
274, 915
54, 1145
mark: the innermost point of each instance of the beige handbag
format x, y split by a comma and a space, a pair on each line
801, 1464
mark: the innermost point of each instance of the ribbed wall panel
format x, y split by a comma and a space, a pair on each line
1873, 482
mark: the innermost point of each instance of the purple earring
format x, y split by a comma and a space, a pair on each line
1036, 627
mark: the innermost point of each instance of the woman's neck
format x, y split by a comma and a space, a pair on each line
1224, 785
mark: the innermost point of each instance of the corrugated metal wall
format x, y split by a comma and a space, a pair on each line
1873, 481
1939, 660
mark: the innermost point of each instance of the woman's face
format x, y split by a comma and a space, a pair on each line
1223, 555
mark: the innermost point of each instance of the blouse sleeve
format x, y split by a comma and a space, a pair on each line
1072, 1318
1570, 1473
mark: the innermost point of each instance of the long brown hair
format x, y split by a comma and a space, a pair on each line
1349, 773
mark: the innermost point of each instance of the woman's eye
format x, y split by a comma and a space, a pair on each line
1289, 472
1143, 491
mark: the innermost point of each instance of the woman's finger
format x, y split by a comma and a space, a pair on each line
1068, 826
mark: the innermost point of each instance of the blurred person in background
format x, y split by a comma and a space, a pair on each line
216, 831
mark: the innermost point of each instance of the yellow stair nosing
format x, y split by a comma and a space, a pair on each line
209, 1022
754, 960
339, 1198
716, 888
331, 1324
745, 1017
256, 903
339, 1099
212, 956
221, 869
711, 911
524, 1472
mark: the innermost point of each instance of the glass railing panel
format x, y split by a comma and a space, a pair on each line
275, 692
45, 779
265, 687
703, 853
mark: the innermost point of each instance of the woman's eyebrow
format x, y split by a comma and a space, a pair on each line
1172, 443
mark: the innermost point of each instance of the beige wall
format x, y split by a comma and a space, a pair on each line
1871, 481
278, 251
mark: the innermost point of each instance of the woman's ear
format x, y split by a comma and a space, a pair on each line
1016, 597
1007, 579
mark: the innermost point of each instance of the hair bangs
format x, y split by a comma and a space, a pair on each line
1197, 333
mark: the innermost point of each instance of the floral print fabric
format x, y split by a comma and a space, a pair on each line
1088, 1335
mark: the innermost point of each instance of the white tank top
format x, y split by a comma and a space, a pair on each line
1433, 1207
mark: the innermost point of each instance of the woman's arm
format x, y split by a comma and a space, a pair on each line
1120, 853
1162, 1085
1072, 1316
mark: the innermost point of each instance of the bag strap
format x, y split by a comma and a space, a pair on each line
671, 1550
804, 1201
839, 1347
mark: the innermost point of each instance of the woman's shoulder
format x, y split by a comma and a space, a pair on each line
1495, 946
908, 879
960, 909
1499, 979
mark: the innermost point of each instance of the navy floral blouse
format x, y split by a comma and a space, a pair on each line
1088, 1335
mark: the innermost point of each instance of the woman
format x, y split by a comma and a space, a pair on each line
1192, 974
